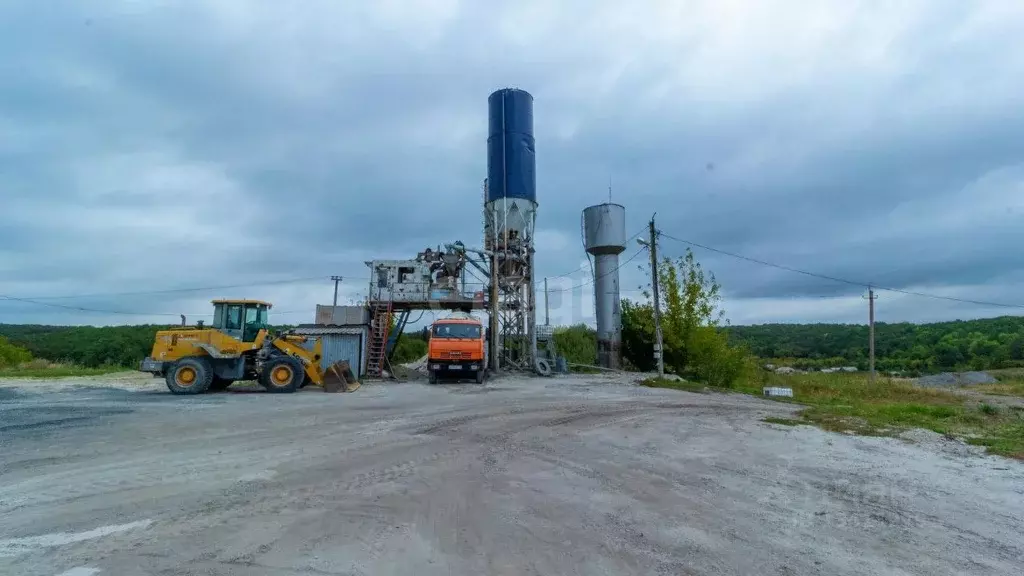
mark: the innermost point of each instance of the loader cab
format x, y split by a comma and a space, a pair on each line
241, 319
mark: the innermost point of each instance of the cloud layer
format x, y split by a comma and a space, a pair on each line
150, 146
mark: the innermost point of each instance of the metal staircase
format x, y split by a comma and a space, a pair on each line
380, 329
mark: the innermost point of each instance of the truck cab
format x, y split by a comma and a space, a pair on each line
240, 319
456, 349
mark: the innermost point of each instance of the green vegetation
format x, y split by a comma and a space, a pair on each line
17, 362
850, 403
1011, 383
1001, 389
911, 348
87, 346
577, 343
43, 369
411, 347
11, 355
673, 384
695, 345
783, 421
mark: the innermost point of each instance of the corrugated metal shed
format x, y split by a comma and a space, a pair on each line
341, 343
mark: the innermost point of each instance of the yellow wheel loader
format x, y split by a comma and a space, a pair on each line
237, 346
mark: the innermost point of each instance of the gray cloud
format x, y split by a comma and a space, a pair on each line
213, 143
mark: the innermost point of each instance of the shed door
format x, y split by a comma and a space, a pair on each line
338, 347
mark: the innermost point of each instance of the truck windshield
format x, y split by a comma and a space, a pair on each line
456, 331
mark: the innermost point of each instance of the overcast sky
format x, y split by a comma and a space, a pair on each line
163, 145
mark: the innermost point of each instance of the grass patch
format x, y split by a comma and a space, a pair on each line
1000, 389
1010, 383
850, 403
783, 421
44, 369
683, 385
1006, 441
989, 409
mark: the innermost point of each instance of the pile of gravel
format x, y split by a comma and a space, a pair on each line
941, 444
955, 379
417, 366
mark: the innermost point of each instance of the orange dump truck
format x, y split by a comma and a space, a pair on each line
456, 349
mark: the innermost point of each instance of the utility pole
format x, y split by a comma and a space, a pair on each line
547, 319
336, 279
871, 333
653, 246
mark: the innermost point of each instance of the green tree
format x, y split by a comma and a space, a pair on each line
411, 347
693, 343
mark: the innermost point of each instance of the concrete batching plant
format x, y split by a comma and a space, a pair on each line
436, 280
604, 227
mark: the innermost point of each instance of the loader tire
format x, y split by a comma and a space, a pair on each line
219, 383
191, 375
282, 375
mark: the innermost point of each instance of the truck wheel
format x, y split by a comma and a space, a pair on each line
432, 377
191, 375
479, 376
282, 374
219, 383
543, 367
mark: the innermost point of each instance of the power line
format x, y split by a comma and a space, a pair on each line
628, 240
763, 263
174, 290
842, 280
38, 300
950, 298
564, 275
84, 309
594, 279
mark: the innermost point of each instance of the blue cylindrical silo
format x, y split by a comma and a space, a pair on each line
511, 165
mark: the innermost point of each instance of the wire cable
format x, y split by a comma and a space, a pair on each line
589, 262
84, 309
174, 290
842, 280
594, 279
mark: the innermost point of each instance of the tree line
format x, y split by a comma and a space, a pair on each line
959, 345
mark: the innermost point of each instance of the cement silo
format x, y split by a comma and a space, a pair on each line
604, 227
510, 212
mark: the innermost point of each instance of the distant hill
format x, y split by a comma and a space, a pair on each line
962, 344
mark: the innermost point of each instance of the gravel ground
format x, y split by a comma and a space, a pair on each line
570, 475
946, 379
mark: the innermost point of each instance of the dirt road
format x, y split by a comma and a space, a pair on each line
519, 476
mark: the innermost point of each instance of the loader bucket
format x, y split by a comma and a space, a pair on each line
339, 378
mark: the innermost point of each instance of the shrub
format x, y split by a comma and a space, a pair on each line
577, 343
410, 347
11, 355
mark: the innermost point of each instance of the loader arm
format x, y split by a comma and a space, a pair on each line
291, 345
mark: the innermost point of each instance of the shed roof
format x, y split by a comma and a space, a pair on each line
318, 330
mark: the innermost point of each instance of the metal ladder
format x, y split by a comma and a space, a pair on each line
380, 328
